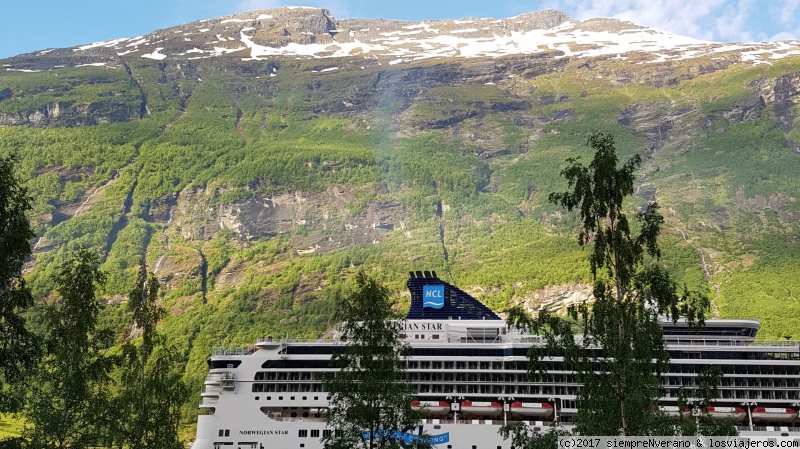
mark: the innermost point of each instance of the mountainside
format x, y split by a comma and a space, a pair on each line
258, 160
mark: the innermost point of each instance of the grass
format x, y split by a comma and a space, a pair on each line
10, 426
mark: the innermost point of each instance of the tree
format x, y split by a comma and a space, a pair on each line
369, 397
523, 437
151, 390
18, 347
621, 353
67, 403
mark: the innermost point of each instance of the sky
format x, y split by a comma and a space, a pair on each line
31, 25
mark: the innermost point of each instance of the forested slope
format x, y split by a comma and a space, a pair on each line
253, 188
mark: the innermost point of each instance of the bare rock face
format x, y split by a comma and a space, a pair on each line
68, 114
317, 221
537, 20
556, 298
787, 96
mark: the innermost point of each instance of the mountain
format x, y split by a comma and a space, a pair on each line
258, 160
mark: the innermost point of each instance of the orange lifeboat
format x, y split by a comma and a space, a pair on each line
537, 409
773, 414
433, 408
737, 413
481, 408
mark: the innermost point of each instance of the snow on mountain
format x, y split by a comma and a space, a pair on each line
314, 33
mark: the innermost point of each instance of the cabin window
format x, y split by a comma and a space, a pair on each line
314, 433
302, 433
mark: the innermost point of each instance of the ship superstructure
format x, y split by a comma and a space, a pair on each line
468, 370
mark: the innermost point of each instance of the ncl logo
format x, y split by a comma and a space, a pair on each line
433, 296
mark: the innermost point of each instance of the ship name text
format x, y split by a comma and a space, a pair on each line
263, 432
410, 326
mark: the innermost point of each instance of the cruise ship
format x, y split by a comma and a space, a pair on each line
468, 371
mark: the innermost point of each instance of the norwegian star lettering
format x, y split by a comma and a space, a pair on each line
410, 326
263, 432
433, 296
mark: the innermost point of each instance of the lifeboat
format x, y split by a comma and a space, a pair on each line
481, 408
737, 413
433, 408
773, 414
538, 409
674, 410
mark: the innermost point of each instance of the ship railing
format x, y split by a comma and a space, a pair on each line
775, 343
298, 419
525, 339
323, 339
497, 422
769, 429
721, 342
221, 350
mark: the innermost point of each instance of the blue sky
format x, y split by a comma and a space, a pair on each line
30, 25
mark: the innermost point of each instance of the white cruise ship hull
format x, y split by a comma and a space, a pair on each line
271, 394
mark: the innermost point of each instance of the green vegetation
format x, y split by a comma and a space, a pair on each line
67, 402
19, 349
151, 392
455, 171
10, 427
369, 395
620, 383
70, 87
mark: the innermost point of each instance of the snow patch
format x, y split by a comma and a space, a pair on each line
418, 41
110, 43
192, 50
155, 55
